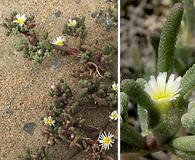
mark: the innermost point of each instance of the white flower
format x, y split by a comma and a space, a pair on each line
105, 140
53, 87
115, 87
49, 121
114, 116
163, 89
72, 23
20, 19
59, 41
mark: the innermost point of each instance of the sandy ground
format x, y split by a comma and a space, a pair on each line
23, 86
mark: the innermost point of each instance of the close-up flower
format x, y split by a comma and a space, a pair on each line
115, 87
114, 116
59, 41
20, 19
163, 89
106, 141
72, 23
49, 121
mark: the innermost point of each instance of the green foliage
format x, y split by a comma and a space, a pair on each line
132, 137
124, 99
134, 91
143, 115
169, 125
188, 82
185, 143
168, 39
85, 57
183, 154
169, 117
188, 119
13, 28
78, 30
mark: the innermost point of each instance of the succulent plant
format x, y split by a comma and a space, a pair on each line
75, 27
162, 101
13, 28
34, 44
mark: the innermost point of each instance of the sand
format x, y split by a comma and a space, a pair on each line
23, 85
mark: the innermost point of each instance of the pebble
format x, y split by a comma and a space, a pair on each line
8, 110
29, 127
56, 63
58, 13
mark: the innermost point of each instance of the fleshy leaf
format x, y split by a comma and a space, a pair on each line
132, 137
188, 119
137, 93
186, 143
168, 39
188, 82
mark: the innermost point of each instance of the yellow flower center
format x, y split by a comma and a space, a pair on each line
114, 116
162, 95
72, 23
116, 88
20, 20
107, 140
59, 43
50, 122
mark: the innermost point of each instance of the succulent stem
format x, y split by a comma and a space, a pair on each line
168, 38
132, 137
137, 93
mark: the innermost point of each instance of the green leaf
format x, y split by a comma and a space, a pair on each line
141, 82
188, 119
124, 99
143, 115
168, 39
169, 125
132, 137
183, 154
134, 91
188, 82
186, 143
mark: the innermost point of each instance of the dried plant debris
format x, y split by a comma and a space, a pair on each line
65, 122
41, 154
75, 27
107, 18
61, 126
61, 47
95, 77
18, 23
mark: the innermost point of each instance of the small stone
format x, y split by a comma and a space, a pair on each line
78, 1
56, 64
8, 110
30, 127
58, 13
